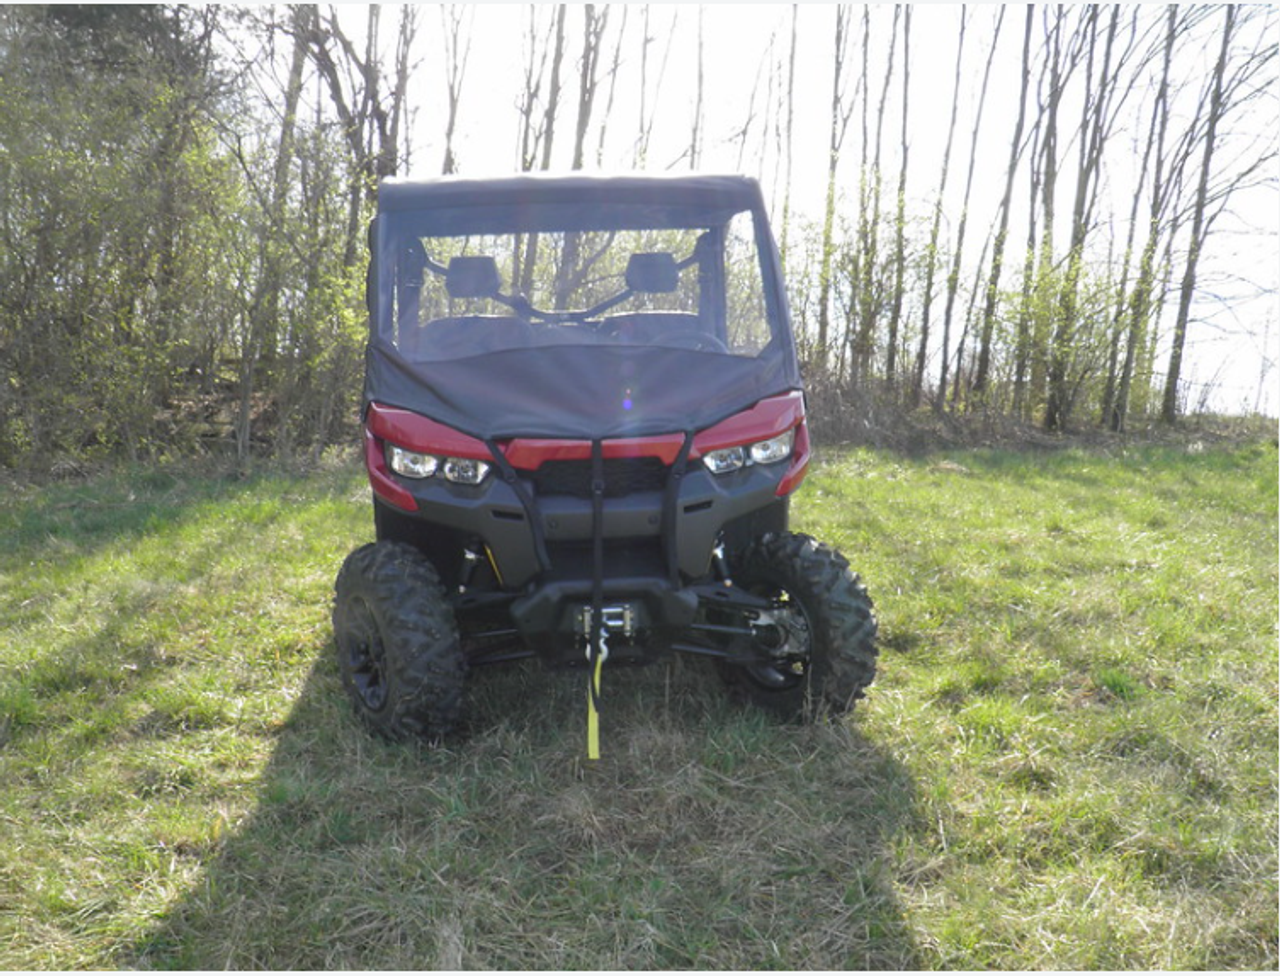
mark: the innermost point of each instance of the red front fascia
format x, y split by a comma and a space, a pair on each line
415, 432
768, 418
527, 453
380, 476
799, 466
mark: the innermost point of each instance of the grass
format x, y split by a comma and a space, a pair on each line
1068, 761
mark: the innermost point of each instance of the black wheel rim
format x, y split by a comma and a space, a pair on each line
788, 643
366, 657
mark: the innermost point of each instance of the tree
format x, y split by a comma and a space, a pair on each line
457, 49
370, 119
789, 132
983, 369
931, 251
1224, 94
841, 111
105, 180
900, 219
1096, 116
867, 282
1136, 305
957, 255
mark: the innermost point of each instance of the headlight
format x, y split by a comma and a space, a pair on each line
465, 471
460, 471
410, 463
722, 462
774, 449
730, 459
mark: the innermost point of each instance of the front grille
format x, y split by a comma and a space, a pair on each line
622, 476
623, 558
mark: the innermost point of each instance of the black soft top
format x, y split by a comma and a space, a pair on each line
575, 391
698, 192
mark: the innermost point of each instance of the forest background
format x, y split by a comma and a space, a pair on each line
1054, 216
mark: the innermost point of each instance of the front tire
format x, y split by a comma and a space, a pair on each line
399, 654
815, 652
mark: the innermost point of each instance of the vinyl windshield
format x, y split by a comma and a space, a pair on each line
630, 282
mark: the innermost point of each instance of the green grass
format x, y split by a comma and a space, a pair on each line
1068, 761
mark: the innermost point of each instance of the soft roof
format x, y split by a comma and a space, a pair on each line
698, 190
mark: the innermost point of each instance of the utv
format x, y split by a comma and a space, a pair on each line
583, 423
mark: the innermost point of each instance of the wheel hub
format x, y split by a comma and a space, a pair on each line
783, 633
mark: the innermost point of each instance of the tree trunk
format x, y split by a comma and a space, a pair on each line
1169, 403
263, 313
868, 286
900, 220
953, 278
456, 53
983, 370
789, 129
935, 228
1043, 287
1116, 409
839, 125
1092, 135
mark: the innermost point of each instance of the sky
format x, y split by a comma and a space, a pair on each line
1236, 338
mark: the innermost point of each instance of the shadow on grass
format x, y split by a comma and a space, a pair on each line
707, 837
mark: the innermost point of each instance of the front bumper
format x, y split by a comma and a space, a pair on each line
632, 526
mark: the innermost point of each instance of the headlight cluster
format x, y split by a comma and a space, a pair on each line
460, 471
762, 452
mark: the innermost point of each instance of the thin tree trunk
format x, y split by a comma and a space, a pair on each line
264, 307
953, 278
593, 27
868, 286
530, 261
456, 53
1093, 133
900, 221
1022, 380
1169, 403
614, 71
789, 129
982, 373
1041, 324
1139, 300
931, 254
695, 139
839, 125
645, 128
553, 93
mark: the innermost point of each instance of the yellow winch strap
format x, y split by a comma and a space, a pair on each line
593, 709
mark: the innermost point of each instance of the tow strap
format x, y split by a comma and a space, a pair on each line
597, 631
597, 637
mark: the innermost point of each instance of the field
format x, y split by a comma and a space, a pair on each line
1068, 761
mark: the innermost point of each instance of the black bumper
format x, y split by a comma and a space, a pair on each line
636, 539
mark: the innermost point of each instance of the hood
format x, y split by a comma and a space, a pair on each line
578, 392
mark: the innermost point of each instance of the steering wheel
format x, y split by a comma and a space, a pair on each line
694, 339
